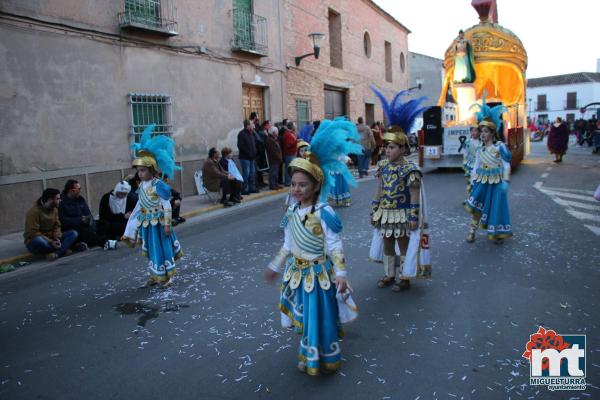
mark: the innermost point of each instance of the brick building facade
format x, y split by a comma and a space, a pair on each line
363, 45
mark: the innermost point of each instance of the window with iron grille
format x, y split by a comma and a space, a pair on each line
302, 113
146, 12
150, 15
147, 109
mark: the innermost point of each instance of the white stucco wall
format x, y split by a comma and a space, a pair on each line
556, 99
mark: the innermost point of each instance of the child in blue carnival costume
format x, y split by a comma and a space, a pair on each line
339, 195
150, 222
470, 151
490, 177
395, 206
314, 288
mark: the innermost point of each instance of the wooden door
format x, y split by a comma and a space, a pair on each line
335, 103
252, 101
369, 114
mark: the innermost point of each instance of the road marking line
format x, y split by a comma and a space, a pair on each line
576, 204
584, 216
549, 169
544, 175
595, 229
538, 185
569, 195
590, 192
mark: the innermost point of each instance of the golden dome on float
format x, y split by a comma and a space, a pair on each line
500, 63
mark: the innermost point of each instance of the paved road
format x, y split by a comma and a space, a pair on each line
83, 330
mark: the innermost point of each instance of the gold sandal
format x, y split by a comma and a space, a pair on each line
385, 281
404, 284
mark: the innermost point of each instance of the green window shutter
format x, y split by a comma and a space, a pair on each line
244, 5
302, 113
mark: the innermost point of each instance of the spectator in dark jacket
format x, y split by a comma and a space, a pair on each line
114, 212
261, 154
246, 143
275, 157
175, 201
75, 214
215, 178
226, 162
132, 197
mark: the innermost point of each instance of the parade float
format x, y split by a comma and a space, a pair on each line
486, 60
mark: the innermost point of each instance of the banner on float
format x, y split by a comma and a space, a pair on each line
455, 139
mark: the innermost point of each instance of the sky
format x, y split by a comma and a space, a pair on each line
560, 37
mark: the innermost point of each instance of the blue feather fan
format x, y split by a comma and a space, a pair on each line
332, 142
399, 113
161, 147
492, 113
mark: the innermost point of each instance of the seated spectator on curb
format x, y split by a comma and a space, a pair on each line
215, 178
175, 201
43, 234
231, 168
74, 213
114, 212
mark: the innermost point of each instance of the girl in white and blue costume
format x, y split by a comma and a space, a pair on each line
490, 177
339, 195
314, 287
150, 221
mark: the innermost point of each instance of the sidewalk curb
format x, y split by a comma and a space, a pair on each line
213, 207
190, 214
18, 258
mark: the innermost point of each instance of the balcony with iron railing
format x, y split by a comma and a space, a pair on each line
158, 16
542, 106
249, 33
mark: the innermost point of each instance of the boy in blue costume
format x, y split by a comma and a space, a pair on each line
490, 177
314, 287
150, 222
395, 206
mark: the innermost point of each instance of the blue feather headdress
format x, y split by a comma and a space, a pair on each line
489, 116
400, 114
160, 148
329, 147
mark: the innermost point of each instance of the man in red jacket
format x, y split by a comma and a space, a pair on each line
289, 149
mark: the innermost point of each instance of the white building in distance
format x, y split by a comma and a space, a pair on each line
563, 96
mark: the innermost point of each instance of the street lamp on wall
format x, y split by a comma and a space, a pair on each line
419, 82
316, 39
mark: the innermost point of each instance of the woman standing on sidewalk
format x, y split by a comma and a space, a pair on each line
314, 294
150, 222
488, 200
558, 139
